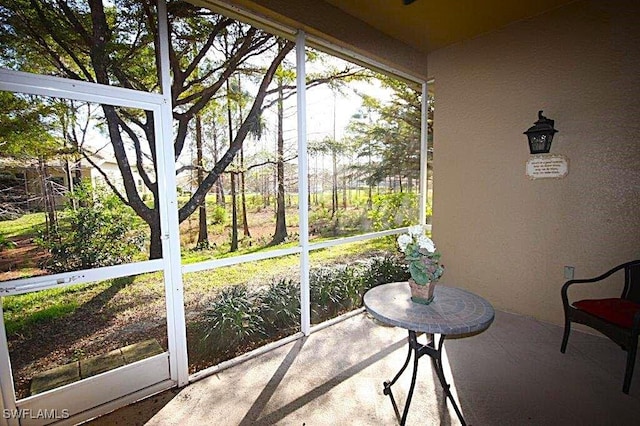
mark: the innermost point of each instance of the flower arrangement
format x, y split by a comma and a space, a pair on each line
421, 255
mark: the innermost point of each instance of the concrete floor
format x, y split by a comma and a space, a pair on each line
512, 374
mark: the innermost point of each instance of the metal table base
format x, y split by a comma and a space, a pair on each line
418, 350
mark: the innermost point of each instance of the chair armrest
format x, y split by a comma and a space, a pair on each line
565, 287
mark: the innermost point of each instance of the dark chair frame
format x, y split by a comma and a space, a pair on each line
627, 338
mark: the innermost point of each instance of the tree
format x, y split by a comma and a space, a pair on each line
336, 79
203, 234
388, 135
92, 236
117, 44
280, 234
334, 147
27, 135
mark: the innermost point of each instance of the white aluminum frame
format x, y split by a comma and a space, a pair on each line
7, 391
176, 324
158, 371
305, 246
170, 264
424, 156
303, 182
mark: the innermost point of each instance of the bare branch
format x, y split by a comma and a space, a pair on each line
264, 163
198, 197
291, 89
138, 150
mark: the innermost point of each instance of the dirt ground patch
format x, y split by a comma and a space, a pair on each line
23, 260
109, 320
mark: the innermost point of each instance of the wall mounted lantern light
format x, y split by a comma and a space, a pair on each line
540, 135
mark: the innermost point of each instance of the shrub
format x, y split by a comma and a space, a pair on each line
393, 210
6, 243
280, 306
326, 291
340, 288
385, 269
233, 317
217, 214
240, 318
100, 232
321, 222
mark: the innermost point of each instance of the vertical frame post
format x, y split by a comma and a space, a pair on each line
174, 289
424, 155
7, 391
303, 183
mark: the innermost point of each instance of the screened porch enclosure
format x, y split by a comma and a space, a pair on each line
236, 195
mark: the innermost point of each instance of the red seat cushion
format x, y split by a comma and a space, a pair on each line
617, 311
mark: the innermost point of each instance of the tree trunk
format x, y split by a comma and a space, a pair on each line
315, 184
203, 235
234, 205
219, 188
69, 175
308, 189
234, 214
280, 234
344, 192
243, 197
334, 185
67, 165
47, 198
155, 247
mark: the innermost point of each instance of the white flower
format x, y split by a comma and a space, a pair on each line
416, 230
403, 241
425, 242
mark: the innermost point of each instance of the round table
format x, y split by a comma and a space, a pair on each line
453, 312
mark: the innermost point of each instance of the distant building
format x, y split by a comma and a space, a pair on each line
21, 182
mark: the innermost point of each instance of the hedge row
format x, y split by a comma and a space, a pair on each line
241, 318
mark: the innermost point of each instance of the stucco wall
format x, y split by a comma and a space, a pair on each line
507, 237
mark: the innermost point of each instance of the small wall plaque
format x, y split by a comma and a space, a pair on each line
545, 166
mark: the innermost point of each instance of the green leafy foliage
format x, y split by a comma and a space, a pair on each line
102, 231
233, 317
6, 243
280, 306
421, 255
239, 318
25, 129
217, 214
385, 269
393, 210
334, 289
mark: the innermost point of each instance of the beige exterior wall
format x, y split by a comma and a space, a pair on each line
507, 237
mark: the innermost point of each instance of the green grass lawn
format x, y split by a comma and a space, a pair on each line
30, 310
35, 308
27, 225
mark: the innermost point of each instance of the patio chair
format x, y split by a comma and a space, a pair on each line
617, 318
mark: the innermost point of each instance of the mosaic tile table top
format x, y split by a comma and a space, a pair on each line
453, 311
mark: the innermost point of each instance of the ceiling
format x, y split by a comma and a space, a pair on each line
428, 25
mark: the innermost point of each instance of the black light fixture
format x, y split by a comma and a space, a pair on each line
540, 135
